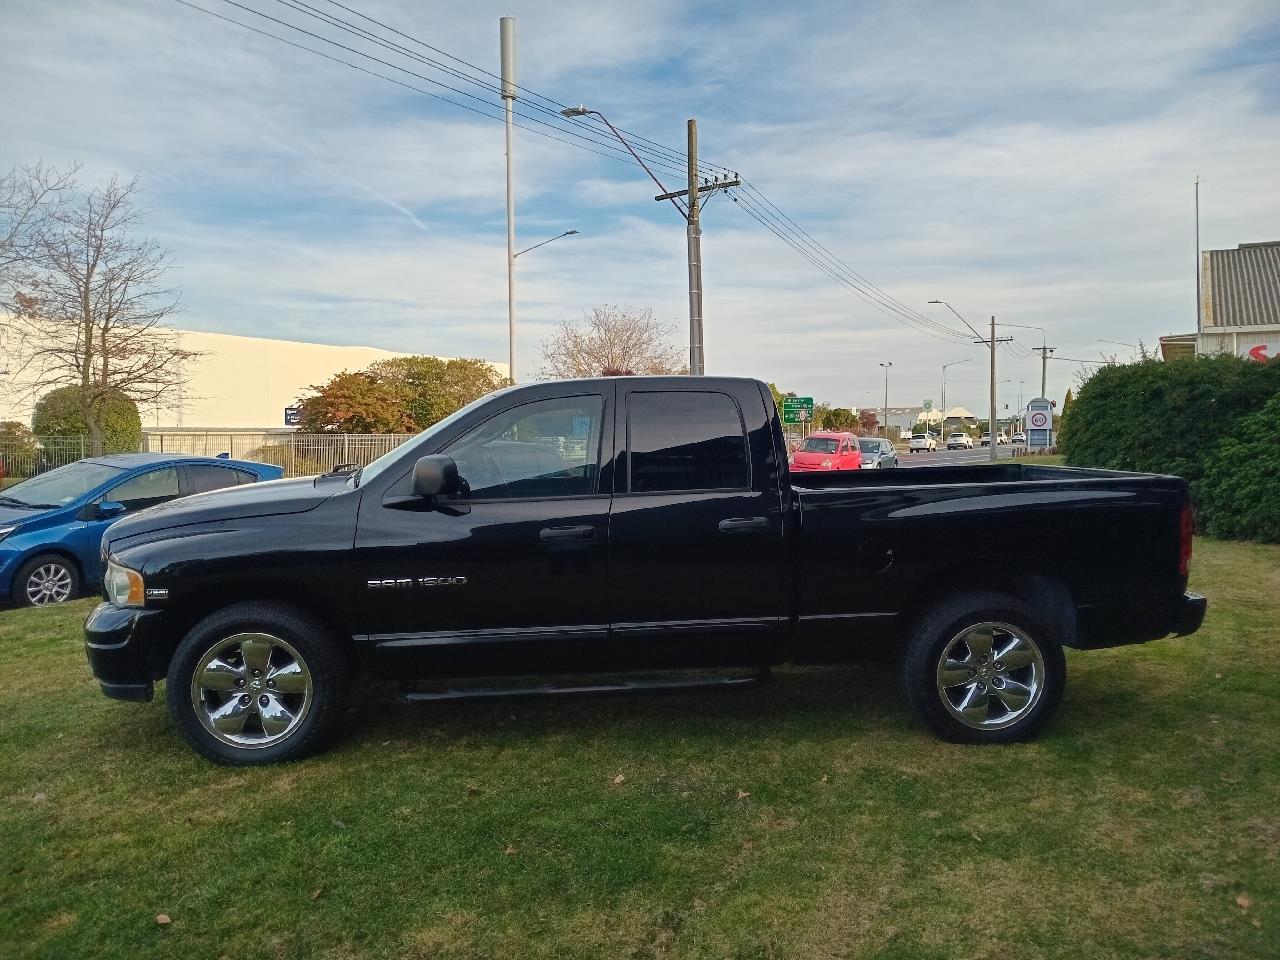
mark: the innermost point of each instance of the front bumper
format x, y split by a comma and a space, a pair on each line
122, 646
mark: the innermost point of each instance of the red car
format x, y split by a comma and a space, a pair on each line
827, 451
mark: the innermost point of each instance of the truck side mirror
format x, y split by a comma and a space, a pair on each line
434, 476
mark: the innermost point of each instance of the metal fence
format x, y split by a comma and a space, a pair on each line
23, 457
301, 454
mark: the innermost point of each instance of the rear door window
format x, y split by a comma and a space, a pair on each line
680, 440
203, 477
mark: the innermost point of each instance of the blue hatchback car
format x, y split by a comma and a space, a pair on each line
51, 525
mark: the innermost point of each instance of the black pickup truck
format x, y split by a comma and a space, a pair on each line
628, 526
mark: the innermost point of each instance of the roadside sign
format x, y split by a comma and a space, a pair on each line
291, 416
1039, 423
792, 408
928, 406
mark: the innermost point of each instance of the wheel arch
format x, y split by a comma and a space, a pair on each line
1045, 593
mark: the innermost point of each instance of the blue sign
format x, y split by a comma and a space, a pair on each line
292, 415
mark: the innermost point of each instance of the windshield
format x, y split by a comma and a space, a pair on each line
919, 436
869, 446
821, 445
376, 467
60, 486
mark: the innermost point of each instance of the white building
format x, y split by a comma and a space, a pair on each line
1239, 305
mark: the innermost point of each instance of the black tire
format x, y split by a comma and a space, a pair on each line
943, 627
63, 572
328, 682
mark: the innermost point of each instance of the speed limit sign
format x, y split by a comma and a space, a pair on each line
1039, 420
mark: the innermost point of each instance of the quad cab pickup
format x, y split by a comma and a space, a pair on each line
625, 525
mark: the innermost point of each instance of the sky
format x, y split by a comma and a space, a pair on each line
1034, 162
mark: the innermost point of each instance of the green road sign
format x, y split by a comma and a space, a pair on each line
797, 409
928, 406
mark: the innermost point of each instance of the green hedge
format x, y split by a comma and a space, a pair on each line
57, 414
1163, 417
1239, 493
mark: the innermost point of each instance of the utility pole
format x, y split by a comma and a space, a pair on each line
507, 43
886, 397
1044, 368
696, 368
692, 213
992, 343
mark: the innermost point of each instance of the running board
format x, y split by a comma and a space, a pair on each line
569, 690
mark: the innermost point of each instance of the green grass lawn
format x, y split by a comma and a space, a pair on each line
810, 819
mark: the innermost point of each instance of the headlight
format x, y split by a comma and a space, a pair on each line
5, 531
791, 460
124, 587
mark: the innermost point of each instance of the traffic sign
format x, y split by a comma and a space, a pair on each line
792, 408
1039, 420
1040, 423
928, 406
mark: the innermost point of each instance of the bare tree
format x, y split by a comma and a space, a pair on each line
28, 195
89, 307
611, 338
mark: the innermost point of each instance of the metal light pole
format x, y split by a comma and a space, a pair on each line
886, 366
991, 414
507, 44
1199, 266
942, 427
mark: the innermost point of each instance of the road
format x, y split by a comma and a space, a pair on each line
953, 458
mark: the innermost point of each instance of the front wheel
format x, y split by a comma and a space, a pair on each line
257, 683
984, 669
46, 580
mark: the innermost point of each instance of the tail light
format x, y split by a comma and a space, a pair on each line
1186, 527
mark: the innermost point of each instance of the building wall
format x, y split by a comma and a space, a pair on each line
243, 382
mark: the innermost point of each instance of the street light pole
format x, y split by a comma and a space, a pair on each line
507, 43
567, 233
942, 428
991, 414
886, 397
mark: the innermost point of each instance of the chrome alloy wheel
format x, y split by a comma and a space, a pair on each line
990, 676
251, 690
48, 583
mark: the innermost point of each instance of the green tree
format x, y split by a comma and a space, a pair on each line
840, 418
356, 402
435, 388
1066, 402
1240, 489
60, 413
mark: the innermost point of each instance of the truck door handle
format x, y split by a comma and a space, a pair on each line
744, 525
561, 534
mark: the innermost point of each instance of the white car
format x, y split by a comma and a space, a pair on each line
922, 443
959, 441
1019, 439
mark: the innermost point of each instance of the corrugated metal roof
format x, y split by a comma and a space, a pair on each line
1243, 286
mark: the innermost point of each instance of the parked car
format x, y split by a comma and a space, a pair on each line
1019, 439
674, 538
827, 451
959, 441
51, 525
877, 454
922, 443
986, 439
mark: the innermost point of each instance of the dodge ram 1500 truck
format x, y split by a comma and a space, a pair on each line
619, 525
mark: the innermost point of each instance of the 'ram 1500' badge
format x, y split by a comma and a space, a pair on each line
405, 582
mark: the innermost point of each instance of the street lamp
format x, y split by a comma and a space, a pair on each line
886, 366
991, 345
942, 425
567, 233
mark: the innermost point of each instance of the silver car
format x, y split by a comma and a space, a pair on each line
877, 454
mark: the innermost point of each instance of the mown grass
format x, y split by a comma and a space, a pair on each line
811, 818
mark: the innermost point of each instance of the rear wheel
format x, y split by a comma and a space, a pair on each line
257, 683
984, 669
46, 580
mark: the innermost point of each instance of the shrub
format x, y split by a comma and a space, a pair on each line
1240, 490
57, 414
1163, 417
